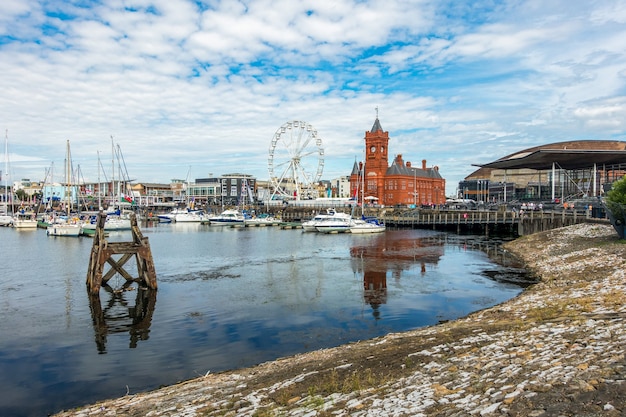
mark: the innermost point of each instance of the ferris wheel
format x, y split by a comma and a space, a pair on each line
296, 160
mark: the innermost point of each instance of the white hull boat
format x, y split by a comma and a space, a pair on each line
360, 226
64, 229
24, 221
6, 220
227, 217
311, 225
334, 225
190, 217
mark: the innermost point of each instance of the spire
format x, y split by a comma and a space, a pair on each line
355, 169
376, 127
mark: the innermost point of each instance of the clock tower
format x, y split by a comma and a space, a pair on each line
376, 161
376, 142
374, 181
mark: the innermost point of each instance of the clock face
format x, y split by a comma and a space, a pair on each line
382, 149
373, 149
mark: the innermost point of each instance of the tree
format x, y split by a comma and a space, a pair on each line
615, 203
21, 195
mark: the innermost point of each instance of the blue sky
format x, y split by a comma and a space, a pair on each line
200, 87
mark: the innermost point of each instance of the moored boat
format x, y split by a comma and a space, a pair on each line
6, 220
24, 220
64, 229
227, 217
65, 225
311, 225
191, 216
366, 225
339, 224
183, 215
113, 223
262, 220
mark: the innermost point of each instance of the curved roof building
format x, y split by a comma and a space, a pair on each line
571, 168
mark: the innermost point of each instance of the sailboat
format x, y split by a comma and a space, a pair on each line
364, 224
23, 218
5, 218
67, 226
116, 220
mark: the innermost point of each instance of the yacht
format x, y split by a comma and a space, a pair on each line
311, 225
335, 224
227, 217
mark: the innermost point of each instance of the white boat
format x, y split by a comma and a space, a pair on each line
183, 215
66, 225
113, 223
5, 218
72, 229
262, 220
336, 224
363, 226
310, 225
190, 216
227, 217
24, 220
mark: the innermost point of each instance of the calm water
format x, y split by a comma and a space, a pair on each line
227, 298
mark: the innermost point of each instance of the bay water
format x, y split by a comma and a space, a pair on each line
227, 298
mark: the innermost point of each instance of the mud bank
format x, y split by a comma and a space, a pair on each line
558, 349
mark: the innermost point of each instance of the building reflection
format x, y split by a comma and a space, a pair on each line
117, 316
391, 254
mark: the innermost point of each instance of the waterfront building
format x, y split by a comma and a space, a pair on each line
147, 194
228, 190
560, 171
397, 184
340, 187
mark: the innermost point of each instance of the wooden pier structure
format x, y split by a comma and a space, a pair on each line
520, 222
103, 251
510, 222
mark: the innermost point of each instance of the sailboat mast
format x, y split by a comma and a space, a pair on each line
67, 179
6, 171
99, 184
113, 196
363, 190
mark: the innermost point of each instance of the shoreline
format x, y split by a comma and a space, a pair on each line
558, 348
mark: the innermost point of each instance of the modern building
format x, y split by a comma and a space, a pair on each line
228, 190
397, 184
559, 171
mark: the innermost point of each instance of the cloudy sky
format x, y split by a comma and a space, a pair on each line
193, 88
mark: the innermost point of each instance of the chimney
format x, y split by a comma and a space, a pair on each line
424, 164
408, 164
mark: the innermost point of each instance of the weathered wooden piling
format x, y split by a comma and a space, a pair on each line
103, 251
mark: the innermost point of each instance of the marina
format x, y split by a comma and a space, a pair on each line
227, 298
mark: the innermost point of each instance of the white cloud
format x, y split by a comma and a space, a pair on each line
206, 85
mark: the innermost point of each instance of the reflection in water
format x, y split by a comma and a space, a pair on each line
395, 253
118, 317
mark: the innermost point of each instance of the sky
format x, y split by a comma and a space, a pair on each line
192, 89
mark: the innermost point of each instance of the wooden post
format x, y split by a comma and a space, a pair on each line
102, 253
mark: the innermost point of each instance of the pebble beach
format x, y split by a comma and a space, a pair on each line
558, 349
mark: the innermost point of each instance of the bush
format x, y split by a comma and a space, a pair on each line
615, 203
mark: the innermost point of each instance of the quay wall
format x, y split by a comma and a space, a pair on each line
475, 221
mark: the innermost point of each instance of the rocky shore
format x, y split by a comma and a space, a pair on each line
558, 349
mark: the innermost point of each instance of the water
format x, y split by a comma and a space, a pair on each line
227, 298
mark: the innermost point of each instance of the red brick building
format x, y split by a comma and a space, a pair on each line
398, 183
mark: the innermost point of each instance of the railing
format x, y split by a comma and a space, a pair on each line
515, 222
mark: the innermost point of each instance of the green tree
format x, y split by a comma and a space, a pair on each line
21, 195
615, 203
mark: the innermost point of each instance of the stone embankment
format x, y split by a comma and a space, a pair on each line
558, 349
